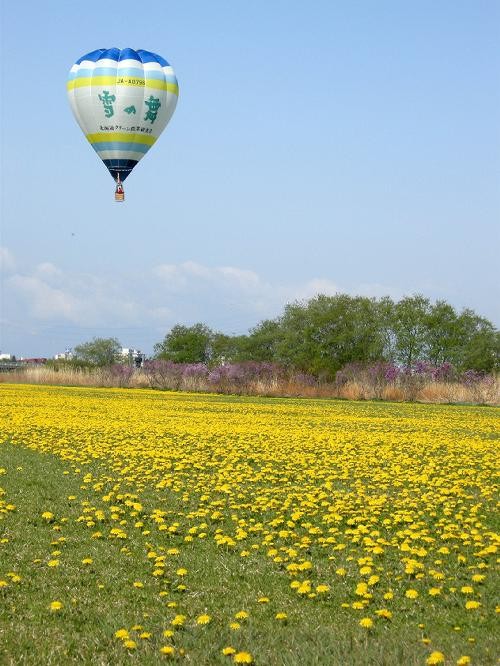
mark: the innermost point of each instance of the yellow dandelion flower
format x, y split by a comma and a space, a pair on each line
203, 619
281, 616
168, 633
411, 594
305, 588
243, 658
463, 661
241, 615
47, 515
263, 600
178, 621
121, 633
322, 589
53, 563
55, 605
234, 626
167, 650
181, 572
472, 605
138, 584
435, 658
229, 650
129, 644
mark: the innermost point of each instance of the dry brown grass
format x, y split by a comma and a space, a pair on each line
485, 392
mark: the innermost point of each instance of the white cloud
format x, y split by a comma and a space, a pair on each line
7, 261
48, 270
227, 298
187, 273
46, 301
244, 278
192, 268
50, 294
317, 286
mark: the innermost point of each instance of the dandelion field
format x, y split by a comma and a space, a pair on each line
140, 526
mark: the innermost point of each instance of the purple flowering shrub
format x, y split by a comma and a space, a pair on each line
379, 380
169, 375
375, 378
245, 375
119, 374
230, 377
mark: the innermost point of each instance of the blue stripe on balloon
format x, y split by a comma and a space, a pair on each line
124, 54
121, 145
111, 54
97, 71
148, 56
129, 54
126, 71
93, 56
122, 167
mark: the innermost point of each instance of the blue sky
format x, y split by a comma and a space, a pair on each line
316, 147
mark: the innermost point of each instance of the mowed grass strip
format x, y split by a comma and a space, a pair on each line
196, 526
101, 588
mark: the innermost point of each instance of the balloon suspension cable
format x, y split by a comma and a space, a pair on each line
119, 193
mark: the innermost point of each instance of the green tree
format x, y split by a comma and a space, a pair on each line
98, 352
442, 334
328, 332
227, 348
186, 344
479, 343
263, 341
409, 326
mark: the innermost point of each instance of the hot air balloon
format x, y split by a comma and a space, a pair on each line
122, 100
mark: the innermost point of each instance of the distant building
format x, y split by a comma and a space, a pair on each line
132, 356
7, 357
66, 355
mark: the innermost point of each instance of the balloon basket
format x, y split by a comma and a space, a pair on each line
119, 193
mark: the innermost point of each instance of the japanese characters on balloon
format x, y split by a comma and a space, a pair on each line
122, 100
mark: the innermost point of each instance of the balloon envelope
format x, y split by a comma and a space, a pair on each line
122, 100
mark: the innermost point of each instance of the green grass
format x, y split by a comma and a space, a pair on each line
100, 598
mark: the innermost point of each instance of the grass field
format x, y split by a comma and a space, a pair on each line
140, 526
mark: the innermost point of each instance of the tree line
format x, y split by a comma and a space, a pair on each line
324, 334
